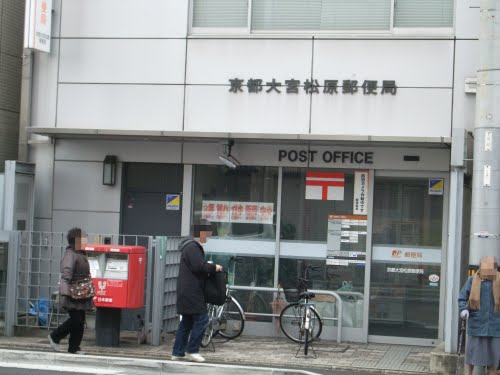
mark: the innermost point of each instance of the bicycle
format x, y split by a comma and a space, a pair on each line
226, 320
299, 320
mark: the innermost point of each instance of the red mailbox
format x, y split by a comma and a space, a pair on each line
118, 273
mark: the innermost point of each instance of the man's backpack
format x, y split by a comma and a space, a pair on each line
215, 288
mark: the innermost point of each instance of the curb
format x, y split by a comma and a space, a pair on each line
144, 366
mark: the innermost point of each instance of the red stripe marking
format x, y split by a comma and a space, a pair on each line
324, 175
324, 183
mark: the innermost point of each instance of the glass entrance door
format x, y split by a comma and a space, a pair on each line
406, 258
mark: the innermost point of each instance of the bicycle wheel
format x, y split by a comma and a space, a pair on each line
209, 331
230, 319
291, 322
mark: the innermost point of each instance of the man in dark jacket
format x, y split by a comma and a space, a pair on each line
193, 271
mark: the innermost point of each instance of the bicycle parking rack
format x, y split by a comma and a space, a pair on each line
338, 301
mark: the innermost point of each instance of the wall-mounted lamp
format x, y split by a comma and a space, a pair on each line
229, 160
109, 170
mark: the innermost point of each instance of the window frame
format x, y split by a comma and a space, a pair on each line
392, 31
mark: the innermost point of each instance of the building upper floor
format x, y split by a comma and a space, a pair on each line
357, 69
255, 18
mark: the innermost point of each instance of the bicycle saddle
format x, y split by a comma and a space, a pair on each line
307, 295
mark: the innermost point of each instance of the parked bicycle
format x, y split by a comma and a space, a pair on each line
299, 320
226, 320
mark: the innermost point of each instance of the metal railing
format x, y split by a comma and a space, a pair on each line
338, 301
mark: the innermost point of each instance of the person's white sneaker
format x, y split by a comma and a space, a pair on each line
177, 358
194, 357
53, 345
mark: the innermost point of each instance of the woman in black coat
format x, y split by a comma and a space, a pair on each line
191, 305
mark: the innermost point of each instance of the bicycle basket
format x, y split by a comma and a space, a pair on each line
292, 292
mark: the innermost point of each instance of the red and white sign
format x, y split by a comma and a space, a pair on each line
326, 186
266, 212
215, 211
38, 25
238, 212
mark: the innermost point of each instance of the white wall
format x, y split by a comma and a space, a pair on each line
467, 19
126, 66
80, 199
124, 18
422, 70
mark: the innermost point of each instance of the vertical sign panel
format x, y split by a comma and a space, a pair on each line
37, 25
360, 199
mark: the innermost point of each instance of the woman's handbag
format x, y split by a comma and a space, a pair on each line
82, 289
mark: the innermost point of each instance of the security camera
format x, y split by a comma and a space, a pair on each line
229, 160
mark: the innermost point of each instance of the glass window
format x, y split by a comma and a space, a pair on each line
239, 207
321, 15
304, 230
220, 13
423, 13
404, 303
404, 213
249, 271
237, 203
347, 281
307, 219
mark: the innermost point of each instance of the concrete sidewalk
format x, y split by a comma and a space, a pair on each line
256, 351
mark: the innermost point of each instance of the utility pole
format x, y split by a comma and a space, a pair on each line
485, 220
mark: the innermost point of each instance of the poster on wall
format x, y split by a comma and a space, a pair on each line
326, 186
360, 198
346, 240
238, 212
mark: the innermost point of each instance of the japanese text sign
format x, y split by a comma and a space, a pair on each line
38, 24
238, 212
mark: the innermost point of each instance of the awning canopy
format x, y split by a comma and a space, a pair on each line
189, 136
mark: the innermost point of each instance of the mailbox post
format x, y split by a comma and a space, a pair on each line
118, 274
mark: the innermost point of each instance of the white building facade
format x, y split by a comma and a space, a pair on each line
344, 116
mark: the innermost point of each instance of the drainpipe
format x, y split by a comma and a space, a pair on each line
25, 115
485, 216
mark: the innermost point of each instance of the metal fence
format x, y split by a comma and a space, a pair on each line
166, 269
33, 277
